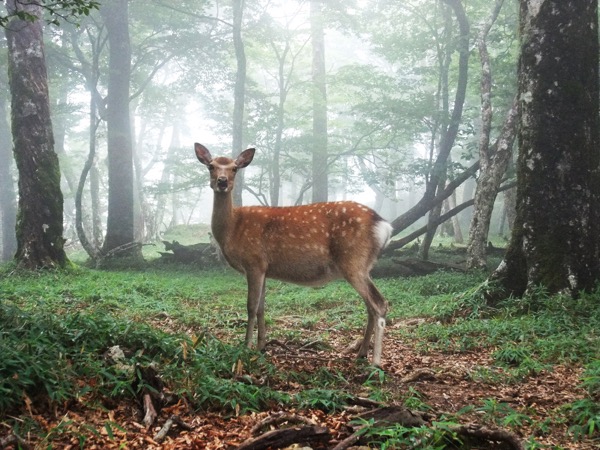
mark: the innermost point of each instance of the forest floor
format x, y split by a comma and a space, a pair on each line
443, 361
446, 387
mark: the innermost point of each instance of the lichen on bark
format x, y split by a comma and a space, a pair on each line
555, 238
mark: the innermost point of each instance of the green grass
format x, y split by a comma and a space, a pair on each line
56, 328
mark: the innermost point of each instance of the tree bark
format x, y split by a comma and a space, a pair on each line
39, 228
493, 162
319, 91
120, 231
555, 242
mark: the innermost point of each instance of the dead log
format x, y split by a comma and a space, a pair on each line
411, 267
203, 254
286, 437
488, 435
390, 415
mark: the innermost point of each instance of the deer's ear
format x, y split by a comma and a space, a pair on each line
202, 154
245, 158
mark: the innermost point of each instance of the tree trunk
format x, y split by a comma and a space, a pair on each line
493, 165
91, 247
456, 229
165, 184
119, 239
555, 237
8, 198
510, 210
319, 90
40, 213
492, 162
239, 95
275, 165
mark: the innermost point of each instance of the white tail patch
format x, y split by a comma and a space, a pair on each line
383, 233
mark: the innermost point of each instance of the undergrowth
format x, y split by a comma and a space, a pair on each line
58, 328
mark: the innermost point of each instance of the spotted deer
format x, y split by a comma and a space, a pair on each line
307, 245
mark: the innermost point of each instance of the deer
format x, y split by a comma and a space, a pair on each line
308, 245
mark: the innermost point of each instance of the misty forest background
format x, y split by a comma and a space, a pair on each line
474, 123
342, 100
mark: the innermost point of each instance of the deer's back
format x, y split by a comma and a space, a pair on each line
309, 244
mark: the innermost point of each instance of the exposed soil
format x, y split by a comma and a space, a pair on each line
443, 380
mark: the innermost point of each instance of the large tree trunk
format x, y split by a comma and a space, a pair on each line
319, 89
555, 237
8, 198
120, 238
40, 218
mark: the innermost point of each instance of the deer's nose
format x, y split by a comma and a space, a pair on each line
222, 182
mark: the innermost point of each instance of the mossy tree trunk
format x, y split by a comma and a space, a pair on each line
119, 240
555, 237
39, 228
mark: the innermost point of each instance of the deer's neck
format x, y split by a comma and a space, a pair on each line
222, 216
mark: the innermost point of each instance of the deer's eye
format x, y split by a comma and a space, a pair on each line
211, 167
235, 169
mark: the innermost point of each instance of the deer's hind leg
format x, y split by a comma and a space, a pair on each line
377, 307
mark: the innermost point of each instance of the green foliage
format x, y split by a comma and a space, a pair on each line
502, 414
328, 400
585, 413
57, 10
439, 435
415, 400
58, 325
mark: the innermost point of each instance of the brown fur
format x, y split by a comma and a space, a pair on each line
308, 245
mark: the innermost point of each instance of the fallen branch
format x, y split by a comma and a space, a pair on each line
150, 412
279, 418
419, 374
173, 420
286, 437
14, 439
384, 416
473, 430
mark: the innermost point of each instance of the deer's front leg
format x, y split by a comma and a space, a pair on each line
255, 287
262, 328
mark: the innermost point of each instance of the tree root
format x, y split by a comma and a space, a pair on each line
381, 416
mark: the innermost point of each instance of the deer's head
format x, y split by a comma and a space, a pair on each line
222, 169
